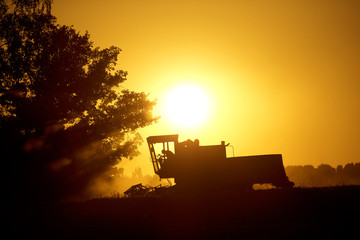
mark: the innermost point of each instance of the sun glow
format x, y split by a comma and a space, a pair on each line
187, 106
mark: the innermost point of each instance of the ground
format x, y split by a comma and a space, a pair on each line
296, 213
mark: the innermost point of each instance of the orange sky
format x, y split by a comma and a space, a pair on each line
283, 76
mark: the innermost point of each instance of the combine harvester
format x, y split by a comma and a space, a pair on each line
198, 169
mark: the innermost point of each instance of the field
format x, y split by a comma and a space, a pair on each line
264, 214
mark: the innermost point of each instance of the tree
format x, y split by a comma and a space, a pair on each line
65, 118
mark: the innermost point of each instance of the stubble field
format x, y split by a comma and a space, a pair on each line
296, 213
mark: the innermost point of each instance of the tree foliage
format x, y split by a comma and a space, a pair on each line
65, 118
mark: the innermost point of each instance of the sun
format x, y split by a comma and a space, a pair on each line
187, 106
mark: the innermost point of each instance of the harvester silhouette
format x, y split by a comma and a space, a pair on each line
198, 168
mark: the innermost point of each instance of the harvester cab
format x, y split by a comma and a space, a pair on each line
162, 152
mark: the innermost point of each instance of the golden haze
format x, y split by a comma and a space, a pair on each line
282, 75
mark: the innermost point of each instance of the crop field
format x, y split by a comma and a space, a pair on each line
296, 213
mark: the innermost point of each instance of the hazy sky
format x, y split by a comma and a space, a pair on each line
282, 76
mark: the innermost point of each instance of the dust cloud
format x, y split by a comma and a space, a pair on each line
115, 183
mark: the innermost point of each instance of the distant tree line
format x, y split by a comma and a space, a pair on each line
324, 175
